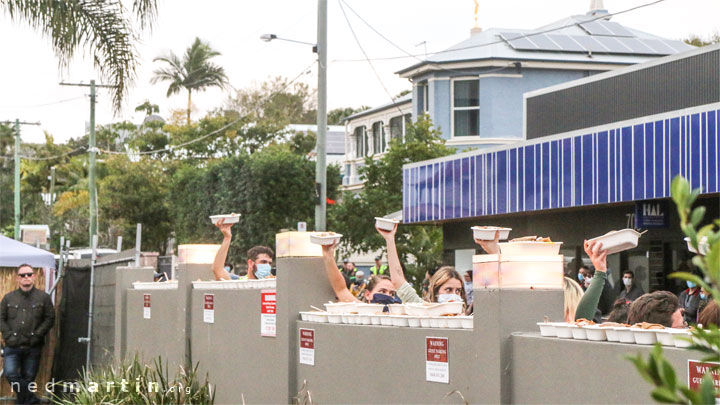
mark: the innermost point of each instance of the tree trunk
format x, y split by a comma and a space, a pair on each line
189, 107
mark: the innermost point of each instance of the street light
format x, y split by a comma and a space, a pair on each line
320, 170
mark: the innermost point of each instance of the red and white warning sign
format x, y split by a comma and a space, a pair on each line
146, 306
697, 371
268, 306
307, 346
437, 368
209, 308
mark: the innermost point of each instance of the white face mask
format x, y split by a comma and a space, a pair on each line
449, 297
627, 282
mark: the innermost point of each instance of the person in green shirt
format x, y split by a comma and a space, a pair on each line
589, 303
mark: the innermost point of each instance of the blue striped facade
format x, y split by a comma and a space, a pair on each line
614, 164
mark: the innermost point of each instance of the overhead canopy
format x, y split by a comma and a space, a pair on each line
14, 253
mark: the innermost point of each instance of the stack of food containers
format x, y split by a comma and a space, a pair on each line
520, 265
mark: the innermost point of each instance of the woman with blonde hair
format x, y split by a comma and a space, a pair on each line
573, 295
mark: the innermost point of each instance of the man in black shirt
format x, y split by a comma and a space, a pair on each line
26, 316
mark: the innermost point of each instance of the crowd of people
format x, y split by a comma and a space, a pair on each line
632, 305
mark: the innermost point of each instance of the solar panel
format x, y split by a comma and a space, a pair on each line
660, 47
517, 41
544, 43
612, 44
616, 29
678, 46
638, 46
589, 43
566, 43
595, 28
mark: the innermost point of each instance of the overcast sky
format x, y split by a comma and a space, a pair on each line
29, 77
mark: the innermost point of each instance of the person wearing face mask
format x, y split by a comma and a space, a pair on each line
585, 275
689, 301
630, 289
588, 306
379, 289
259, 258
444, 286
469, 286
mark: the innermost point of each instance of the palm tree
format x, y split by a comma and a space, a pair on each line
194, 72
103, 26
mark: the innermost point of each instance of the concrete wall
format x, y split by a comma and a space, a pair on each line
564, 371
161, 335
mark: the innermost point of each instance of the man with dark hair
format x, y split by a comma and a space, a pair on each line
26, 316
259, 258
657, 307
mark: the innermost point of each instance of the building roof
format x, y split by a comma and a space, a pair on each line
398, 102
578, 38
335, 136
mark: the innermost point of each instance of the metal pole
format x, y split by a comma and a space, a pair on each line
52, 185
91, 173
320, 166
92, 302
119, 244
17, 179
138, 238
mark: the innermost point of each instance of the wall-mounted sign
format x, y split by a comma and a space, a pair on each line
268, 315
651, 214
209, 308
437, 368
307, 346
146, 306
697, 370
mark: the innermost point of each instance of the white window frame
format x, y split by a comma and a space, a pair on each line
359, 153
453, 108
425, 96
382, 137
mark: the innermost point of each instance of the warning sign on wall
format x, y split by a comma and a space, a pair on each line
307, 346
698, 369
146, 306
437, 368
209, 308
268, 315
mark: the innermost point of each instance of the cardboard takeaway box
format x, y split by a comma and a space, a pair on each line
296, 244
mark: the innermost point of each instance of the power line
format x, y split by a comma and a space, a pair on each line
527, 35
46, 158
340, 2
44, 104
226, 126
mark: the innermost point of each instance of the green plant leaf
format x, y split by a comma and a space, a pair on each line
665, 395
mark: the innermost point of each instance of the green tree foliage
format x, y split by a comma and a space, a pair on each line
698, 41
382, 194
271, 189
657, 370
338, 115
148, 108
194, 72
102, 26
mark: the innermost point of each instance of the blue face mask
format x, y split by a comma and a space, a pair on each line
581, 278
449, 297
703, 296
378, 298
690, 284
262, 270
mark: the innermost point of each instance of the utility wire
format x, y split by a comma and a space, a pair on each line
44, 104
527, 35
226, 126
45, 158
340, 2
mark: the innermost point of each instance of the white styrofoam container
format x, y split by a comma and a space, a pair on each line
645, 336
442, 321
562, 330
547, 329
530, 248
334, 318
578, 332
363, 319
446, 308
665, 337
417, 309
595, 333
702, 245
413, 321
488, 232
385, 223
625, 334
611, 334
340, 307
397, 309
434, 322
424, 322
399, 320
618, 241
362, 308
681, 337
324, 240
375, 319
305, 316
454, 322
385, 320
467, 321
229, 218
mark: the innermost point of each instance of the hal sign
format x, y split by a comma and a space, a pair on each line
307, 346
437, 368
651, 214
697, 370
146, 306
